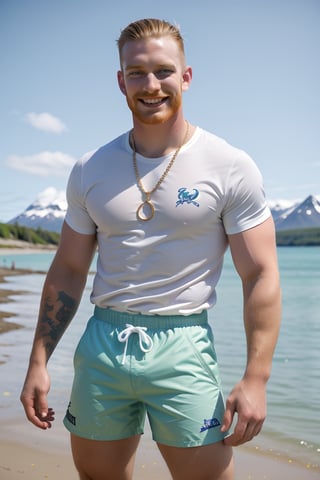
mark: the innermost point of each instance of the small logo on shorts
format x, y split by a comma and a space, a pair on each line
210, 423
69, 416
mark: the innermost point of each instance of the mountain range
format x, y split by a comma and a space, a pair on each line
48, 211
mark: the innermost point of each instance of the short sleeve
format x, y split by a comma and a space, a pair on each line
77, 216
246, 205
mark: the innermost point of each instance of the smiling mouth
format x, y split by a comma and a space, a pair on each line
153, 102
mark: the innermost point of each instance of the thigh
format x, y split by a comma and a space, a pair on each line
209, 462
104, 460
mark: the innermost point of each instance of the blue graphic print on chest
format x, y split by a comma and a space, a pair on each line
185, 196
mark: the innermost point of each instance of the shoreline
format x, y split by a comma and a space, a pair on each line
28, 455
15, 247
10, 246
5, 294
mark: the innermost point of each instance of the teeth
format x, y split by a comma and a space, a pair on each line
153, 101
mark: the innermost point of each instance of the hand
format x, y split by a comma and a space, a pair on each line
248, 400
34, 398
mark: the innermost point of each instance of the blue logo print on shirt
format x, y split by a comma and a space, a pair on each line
187, 197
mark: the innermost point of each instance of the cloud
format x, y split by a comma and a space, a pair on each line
46, 122
43, 163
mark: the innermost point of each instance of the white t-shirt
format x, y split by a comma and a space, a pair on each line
170, 264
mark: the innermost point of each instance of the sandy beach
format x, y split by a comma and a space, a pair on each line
23, 461
29, 454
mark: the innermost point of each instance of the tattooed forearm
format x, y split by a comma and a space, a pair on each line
56, 316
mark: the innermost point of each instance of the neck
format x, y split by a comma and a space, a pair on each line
160, 139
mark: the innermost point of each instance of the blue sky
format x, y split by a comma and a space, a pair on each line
256, 77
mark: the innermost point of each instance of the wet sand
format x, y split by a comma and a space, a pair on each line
33, 462
7, 319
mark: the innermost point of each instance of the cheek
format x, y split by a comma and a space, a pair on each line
177, 98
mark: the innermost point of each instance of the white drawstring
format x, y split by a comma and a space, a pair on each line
143, 338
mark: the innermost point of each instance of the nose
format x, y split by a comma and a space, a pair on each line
152, 83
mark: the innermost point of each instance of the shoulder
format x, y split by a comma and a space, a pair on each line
217, 153
103, 152
218, 145
98, 165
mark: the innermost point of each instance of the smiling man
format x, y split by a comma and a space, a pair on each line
163, 202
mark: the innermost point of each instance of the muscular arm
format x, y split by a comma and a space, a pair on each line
254, 256
60, 298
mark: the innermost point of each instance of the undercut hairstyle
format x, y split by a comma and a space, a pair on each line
150, 28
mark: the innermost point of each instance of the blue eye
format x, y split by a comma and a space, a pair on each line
135, 73
164, 72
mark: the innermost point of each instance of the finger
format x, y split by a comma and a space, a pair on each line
42, 405
43, 420
33, 417
243, 435
46, 422
239, 433
234, 440
227, 421
228, 417
49, 416
253, 429
257, 429
249, 434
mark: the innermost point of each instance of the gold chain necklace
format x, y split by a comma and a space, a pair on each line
147, 202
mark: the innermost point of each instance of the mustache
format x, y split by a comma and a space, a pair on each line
147, 95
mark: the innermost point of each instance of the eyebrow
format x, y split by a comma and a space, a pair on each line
158, 66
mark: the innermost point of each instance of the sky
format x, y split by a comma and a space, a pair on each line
256, 78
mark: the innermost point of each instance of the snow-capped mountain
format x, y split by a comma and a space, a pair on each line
304, 214
47, 211
282, 207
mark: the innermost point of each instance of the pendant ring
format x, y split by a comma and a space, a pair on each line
141, 216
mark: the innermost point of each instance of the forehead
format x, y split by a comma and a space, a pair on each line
160, 50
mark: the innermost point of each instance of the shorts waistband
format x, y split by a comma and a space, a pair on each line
121, 319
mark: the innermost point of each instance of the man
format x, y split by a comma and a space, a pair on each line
162, 203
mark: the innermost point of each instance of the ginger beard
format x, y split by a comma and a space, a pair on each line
154, 113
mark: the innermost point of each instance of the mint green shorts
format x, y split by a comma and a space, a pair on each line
128, 366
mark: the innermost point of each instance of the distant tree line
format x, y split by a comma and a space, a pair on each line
307, 237
36, 236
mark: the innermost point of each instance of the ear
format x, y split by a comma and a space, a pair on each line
121, 82
186, 78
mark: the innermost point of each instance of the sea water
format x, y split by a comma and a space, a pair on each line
293, 422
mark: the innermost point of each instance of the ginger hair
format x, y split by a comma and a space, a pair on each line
149, 28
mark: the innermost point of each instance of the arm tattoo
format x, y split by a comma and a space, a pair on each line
56, 316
